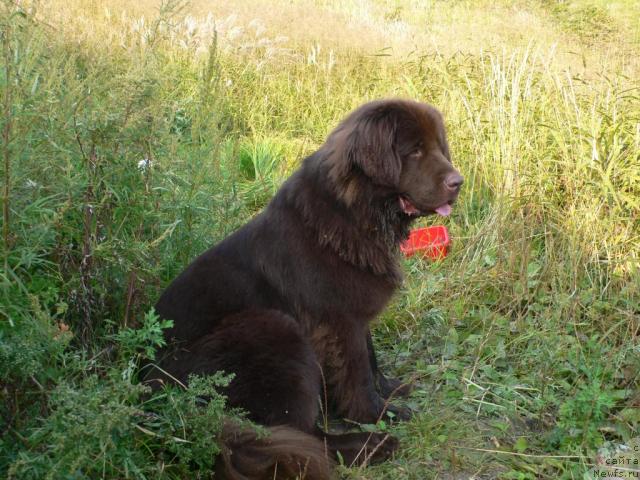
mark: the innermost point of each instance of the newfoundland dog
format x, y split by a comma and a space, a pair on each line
285, 302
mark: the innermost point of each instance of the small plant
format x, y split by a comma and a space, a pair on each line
260, 163
585, 412
143, 341
581, 417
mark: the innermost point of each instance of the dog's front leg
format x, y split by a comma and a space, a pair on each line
351, 379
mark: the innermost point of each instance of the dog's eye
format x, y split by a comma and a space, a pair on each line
417, 153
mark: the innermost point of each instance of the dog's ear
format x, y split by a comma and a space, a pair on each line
370, 143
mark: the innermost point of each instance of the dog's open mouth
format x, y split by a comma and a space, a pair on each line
410, 209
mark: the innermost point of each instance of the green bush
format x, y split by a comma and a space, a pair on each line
99, 422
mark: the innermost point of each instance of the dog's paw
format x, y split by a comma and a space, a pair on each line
393, 387
379, 447
402, 414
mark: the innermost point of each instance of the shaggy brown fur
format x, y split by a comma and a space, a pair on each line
294, 290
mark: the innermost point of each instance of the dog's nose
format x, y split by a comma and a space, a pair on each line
453, 181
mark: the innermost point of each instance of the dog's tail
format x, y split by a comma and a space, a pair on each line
284, 453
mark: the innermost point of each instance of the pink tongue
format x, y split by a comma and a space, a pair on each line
444, 210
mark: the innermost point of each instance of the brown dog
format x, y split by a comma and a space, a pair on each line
290, 295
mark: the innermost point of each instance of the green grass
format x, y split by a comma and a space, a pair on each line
130, 146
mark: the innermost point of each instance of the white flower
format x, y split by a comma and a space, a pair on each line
191, 24
234, 33
137, 25
144, 164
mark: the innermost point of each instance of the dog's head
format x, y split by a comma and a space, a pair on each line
400, 147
